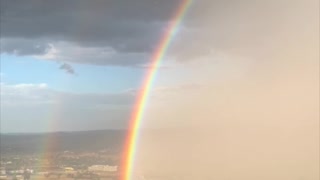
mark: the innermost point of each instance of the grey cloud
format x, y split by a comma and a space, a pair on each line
128, 27
67, 68
132, 29
94, 55
23, 46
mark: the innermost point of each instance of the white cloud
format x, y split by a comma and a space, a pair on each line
51, 53
38, 103
27, 86
25, 94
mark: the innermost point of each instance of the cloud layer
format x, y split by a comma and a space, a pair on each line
40, 105
119, 32
95, 32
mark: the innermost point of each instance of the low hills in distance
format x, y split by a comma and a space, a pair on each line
30, 143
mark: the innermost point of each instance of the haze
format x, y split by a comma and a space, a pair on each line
262, 120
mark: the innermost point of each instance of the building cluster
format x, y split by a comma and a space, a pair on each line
104, 168
23, 174
64, 164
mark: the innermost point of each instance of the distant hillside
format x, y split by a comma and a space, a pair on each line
62, 141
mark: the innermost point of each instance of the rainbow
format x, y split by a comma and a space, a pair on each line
138, 111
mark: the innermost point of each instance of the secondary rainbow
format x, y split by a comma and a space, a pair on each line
138, 111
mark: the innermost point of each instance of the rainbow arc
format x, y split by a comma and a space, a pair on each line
142, 98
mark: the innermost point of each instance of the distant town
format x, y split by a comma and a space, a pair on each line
62, 165
76, 155
83, 155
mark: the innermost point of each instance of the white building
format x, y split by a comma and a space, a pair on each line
3, 172
105, 168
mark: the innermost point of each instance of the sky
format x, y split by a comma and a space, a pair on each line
239, 82
51, 51
68, 62
54, 50
61, 61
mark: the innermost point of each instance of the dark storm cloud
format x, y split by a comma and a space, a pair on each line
83, 20
119, 32
23, 46
125, 26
